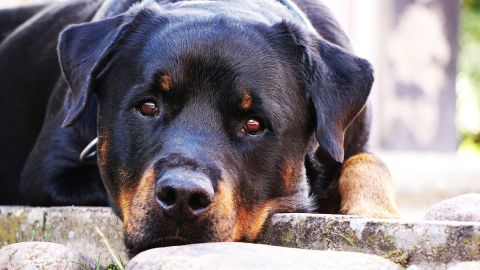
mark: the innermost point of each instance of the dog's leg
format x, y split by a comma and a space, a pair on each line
366, 188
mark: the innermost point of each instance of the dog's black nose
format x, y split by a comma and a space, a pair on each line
184, 195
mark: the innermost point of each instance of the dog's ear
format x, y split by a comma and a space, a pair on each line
337, 82
84, 50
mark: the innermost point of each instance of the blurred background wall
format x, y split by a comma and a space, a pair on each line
426, 96
426, 127
413, 45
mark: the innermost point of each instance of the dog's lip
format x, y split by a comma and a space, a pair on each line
166, 241
172, 239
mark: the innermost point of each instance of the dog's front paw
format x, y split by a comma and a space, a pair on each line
370, 211
366, 188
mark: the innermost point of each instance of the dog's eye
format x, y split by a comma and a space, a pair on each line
148, 108
252, 126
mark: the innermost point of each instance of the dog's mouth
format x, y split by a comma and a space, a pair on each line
161, 242
170, 241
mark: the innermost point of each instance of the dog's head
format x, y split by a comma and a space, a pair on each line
205, 115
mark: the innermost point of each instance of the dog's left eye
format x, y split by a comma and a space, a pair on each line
148, 108
252, 126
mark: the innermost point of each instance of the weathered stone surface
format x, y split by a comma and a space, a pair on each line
19, 224
75, 227
43, 255
253, 256
423, 243
405, 242
464, 266
461, 208
451, 266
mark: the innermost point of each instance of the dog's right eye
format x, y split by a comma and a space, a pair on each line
148, 108
252, 126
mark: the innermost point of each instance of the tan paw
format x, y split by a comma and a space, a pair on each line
371, 211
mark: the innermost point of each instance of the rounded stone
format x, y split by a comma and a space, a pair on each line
461, 208
42, 255
464, 266
253, 256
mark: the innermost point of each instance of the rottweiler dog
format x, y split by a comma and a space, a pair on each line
210, 116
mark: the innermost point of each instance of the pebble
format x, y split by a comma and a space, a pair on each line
461, 208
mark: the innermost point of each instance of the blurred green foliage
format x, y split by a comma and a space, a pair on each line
470, 40
468, 84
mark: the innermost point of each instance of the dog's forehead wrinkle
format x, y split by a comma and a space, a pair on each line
246, 11
210, 39
201, 109
186, 28
188, 52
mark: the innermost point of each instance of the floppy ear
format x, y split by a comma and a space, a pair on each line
339, 84
84, 50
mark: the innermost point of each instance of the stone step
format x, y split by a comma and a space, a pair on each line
239, 256
406, 242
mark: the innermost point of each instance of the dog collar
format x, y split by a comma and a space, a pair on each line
90, 151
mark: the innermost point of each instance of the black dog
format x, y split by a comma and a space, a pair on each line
210, 116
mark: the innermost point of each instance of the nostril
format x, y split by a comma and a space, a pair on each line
183, 195
167, 196
199, 201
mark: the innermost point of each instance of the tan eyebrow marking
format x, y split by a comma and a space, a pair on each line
165, 81
247, 100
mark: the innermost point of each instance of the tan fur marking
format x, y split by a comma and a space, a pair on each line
137, 198
288, 176
224, 199
223, 207
124, 200
257, 223
103, 149
366, 188
125, 194
250, 223
247, 100
146, 183
247, 223
165, 81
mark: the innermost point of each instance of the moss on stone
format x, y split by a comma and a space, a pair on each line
16, 227
287, 238
398, 256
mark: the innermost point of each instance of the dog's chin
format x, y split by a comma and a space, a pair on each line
158, 243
